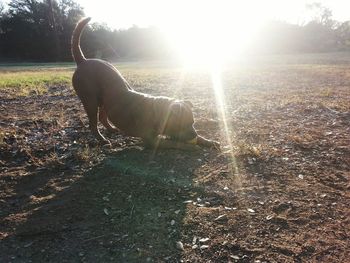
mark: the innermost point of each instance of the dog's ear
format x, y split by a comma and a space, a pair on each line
188, 103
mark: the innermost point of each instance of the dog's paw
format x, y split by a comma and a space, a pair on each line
208, 143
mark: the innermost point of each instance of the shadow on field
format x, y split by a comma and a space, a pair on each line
129, 208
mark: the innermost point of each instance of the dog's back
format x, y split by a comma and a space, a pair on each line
93, 76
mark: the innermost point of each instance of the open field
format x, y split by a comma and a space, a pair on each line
279, 194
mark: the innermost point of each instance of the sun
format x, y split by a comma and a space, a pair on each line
207, 33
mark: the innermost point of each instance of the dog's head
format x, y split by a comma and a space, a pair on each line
179, 122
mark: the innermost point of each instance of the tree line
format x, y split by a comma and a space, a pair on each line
40, 30
321, 34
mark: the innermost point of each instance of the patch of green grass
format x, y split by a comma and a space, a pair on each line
23, 83
23, 79
34, 66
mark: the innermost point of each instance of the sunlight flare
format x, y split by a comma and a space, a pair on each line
221, 107
211, 31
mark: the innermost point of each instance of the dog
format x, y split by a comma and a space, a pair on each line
106, 96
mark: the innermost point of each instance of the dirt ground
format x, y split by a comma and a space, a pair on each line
278, 193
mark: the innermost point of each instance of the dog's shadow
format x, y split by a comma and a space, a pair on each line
129, 208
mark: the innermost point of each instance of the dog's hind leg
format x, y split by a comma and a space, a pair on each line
102, 115
88, 97
91, 108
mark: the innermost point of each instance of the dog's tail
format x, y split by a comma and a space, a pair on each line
76, 50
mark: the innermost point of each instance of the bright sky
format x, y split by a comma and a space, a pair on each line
207, 31
162, 13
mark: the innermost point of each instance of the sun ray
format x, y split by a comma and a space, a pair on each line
226, 130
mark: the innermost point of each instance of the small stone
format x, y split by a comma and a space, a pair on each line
194, 240
203, 240
179, 245
269, 217
251, 210
106, 211
221, 217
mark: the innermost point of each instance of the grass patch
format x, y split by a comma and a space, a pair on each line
28, 82
23, 79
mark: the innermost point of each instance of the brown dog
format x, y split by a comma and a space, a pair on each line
107, 96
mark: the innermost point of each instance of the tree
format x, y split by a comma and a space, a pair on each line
2, 40
2, 9
322, 15
53, 27
343, 35
39, 30
67, 16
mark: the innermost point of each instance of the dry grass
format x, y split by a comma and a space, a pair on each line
283, 199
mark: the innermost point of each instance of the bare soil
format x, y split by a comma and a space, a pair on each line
278, 193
